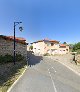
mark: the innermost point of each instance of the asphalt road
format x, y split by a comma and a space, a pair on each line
47, 75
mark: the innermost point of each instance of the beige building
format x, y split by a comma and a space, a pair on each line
49, 46
7, 45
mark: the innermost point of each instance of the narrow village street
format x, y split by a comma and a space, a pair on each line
47, 75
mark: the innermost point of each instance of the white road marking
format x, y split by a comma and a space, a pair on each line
16, 80
54, 69
52, 80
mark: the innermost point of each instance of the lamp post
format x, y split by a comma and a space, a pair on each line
20, 28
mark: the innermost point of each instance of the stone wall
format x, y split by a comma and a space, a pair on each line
7, 47
77, 58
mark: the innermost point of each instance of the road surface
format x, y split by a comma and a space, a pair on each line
47, 75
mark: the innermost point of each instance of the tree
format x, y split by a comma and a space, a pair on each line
64, 43
76, 47
31, 47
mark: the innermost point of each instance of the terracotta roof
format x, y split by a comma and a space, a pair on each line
53, 41
47, 41
62, 45
18, 39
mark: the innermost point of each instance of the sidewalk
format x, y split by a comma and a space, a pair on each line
67, 60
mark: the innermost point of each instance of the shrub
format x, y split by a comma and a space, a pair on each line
46, 54
8, 58
19, 57
31, 47
1, 59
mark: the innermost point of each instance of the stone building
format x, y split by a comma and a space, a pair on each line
7, 45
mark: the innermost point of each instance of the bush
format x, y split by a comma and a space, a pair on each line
46, 54
19, 57
1, 59
31, 47
8, 58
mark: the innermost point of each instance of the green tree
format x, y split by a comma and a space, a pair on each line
31, 47
64, 43
76, 47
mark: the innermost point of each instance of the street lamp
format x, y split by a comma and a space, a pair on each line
20, 28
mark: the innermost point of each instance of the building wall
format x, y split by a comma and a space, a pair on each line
7, 47
28, 47
38, 48
45, 47
67, 48
51, 49
64, 50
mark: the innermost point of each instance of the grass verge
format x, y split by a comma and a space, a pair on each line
9, 73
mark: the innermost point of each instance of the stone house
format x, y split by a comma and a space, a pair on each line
7, 45
49, 46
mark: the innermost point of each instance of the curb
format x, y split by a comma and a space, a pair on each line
70, 68
16, 80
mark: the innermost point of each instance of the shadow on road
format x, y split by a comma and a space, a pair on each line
33, 59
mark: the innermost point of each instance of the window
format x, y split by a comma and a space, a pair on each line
52, 44
66, 49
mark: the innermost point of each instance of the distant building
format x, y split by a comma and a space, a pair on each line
49, 46
28, 47
7, 45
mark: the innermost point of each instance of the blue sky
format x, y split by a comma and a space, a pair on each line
53, 19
